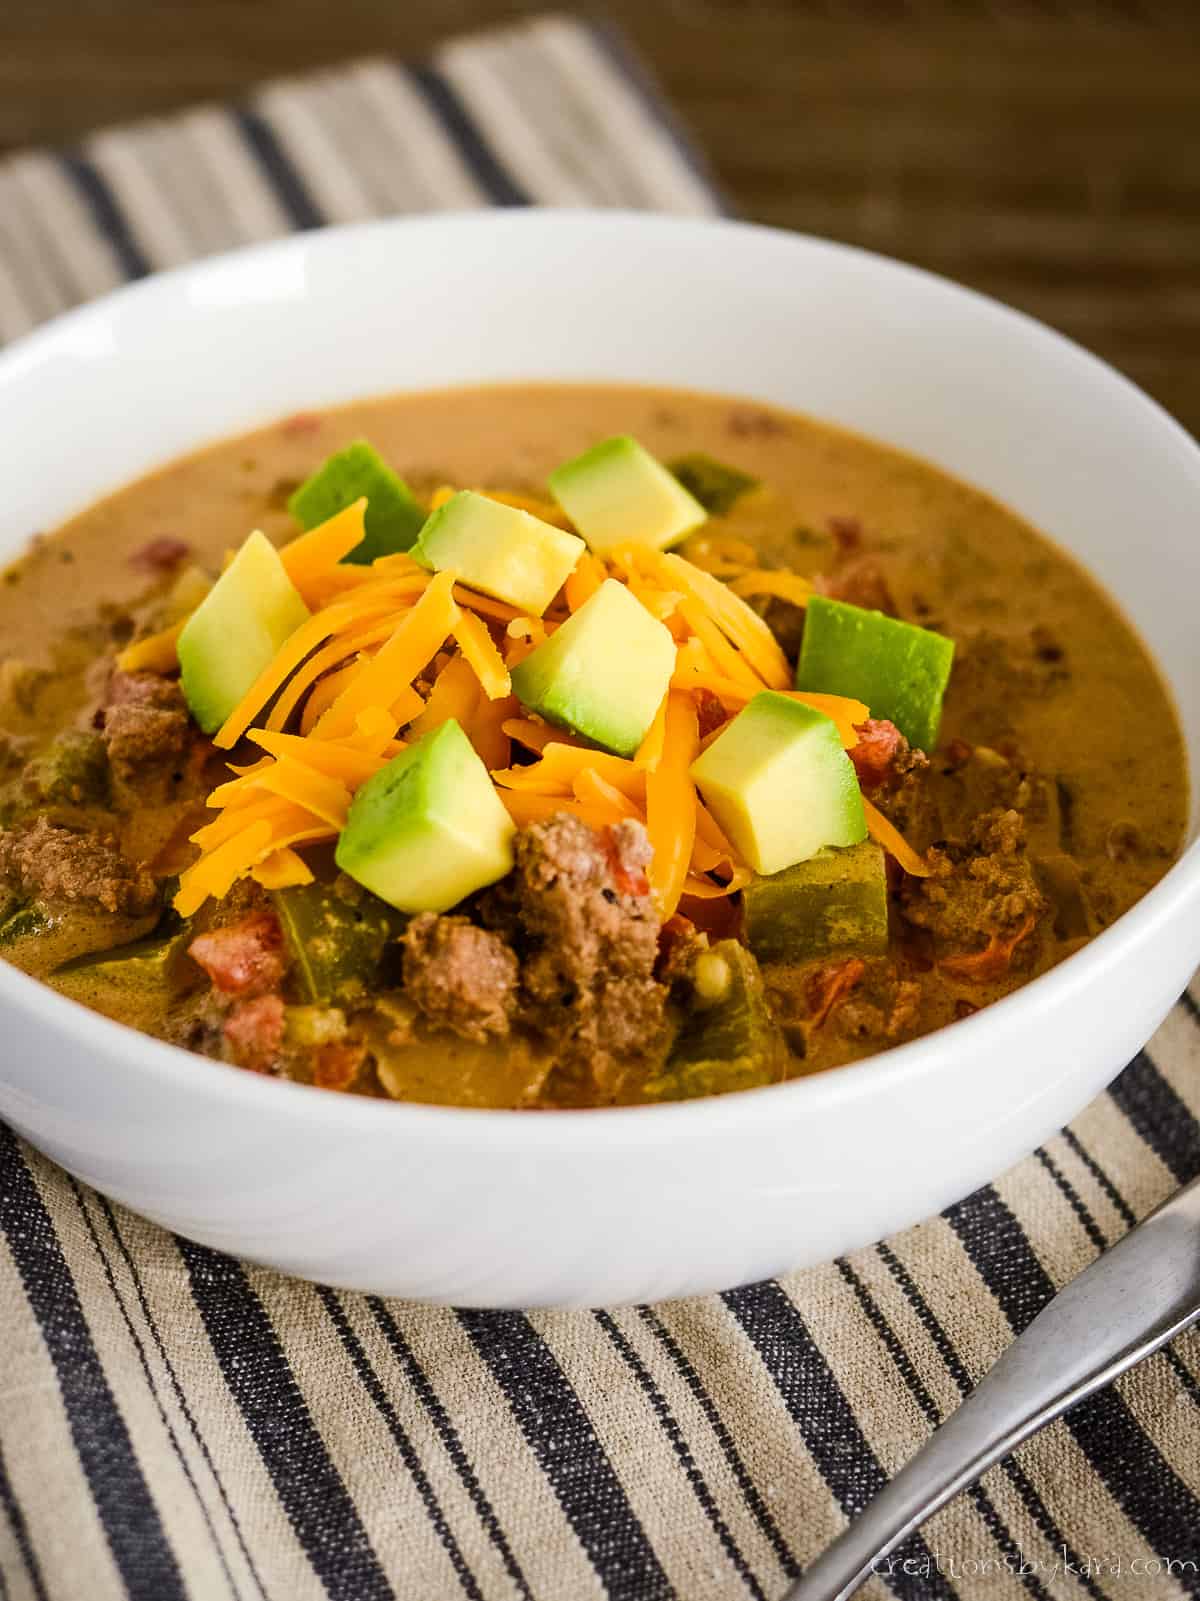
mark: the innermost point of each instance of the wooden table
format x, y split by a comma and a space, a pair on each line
1047, 151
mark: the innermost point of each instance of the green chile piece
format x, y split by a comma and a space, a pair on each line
147, 963
1061, 882
25, 922
72, 770
728, 1044
713, 483
136, 984
834, 903
338, 938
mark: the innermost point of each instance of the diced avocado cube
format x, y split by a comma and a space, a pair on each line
394, 515
338, 937
617, 492
779, 783
499, 550
602, 673
428, 829
899, 670
728, 1042
236, 631
717, 486
834, 903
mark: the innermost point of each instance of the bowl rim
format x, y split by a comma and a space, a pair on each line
917, 1059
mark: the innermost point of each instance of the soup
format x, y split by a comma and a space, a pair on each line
691, 810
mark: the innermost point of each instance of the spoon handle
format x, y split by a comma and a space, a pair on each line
1132, 1299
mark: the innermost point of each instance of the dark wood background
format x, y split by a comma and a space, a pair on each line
1043, 150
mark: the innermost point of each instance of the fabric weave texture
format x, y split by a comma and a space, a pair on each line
176, 1424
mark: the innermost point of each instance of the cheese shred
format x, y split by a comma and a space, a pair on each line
392, 651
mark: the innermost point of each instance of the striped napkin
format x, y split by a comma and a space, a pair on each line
176, 1424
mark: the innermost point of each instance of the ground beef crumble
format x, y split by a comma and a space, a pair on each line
45, 861
462, 977
145, 724
578, 912
982, 888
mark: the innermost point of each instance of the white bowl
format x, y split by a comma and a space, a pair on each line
510, 1209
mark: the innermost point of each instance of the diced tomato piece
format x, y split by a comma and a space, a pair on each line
847, 534
628, 873
860, 582
993, 961
244, 958
254, 1031
301, 422
337, 1064
160, 555
958, 753
880, 743
831, 984
710, 711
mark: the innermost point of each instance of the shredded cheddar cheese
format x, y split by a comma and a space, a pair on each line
525, 808
485, 729
479, 648
282, 869
392, 651
454, 695
649, 752
894, 842
592, 790
418, 637
157, 653
742, 626
671, 805
586, 577
310, 558
787, 586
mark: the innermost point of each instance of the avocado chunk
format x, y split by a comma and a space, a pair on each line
899, 670
394, 515
428, 829
602, 673
728, 1041
236, 631
617, 492
717, 486
779, 783
338, 937
835, 903
499, 550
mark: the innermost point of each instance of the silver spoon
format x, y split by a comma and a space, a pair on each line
1131, 1300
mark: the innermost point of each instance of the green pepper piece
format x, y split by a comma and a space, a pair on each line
1061, 882
833, 904
338, 937
146, 961
136, 984
26, 922
394, 516
714, 484
72, 770
728, 1041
